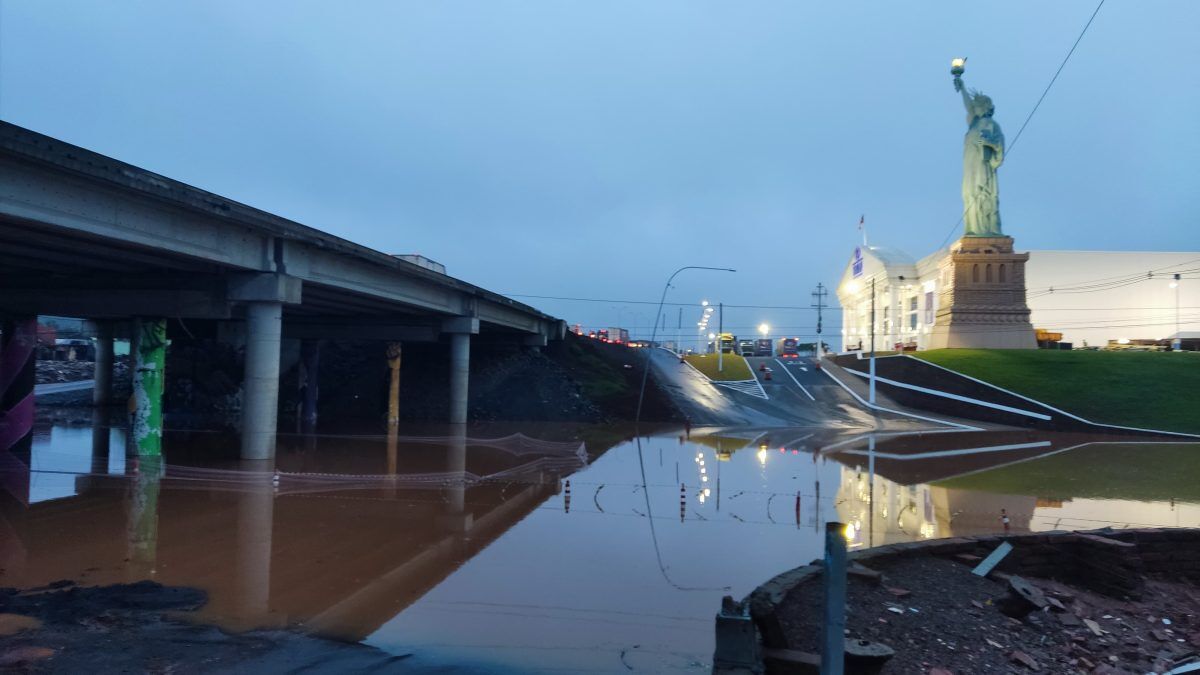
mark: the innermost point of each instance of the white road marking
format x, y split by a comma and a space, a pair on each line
953, 397
806, 392
898, 412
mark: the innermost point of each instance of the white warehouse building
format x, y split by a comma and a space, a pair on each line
1090, 297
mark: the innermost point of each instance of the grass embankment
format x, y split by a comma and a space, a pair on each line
735, 367
610, 376
1152, 390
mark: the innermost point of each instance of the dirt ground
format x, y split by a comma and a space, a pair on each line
941, 619
142, 628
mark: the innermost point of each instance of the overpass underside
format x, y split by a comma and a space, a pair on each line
83, 235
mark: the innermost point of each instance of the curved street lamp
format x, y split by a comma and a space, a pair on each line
654, 334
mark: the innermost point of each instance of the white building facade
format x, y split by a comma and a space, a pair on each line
1091, 297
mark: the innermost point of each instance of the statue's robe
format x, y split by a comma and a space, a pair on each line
981, 193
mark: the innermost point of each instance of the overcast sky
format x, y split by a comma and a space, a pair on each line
587, 149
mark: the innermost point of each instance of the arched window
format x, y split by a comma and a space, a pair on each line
988, 274
1003, 274
975, 273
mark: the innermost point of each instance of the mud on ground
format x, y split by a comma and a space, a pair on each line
941, 619
143, 627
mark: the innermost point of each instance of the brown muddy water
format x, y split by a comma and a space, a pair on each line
470, 552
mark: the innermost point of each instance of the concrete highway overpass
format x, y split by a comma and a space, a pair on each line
85, 235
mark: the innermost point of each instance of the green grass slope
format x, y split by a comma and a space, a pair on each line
1136, 471
734, 367
1155, 390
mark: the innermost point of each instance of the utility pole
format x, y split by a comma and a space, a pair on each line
819, 302
720, 332
872, 391
1177, 343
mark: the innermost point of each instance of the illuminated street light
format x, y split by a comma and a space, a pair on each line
764, 328
704, 303
712, 336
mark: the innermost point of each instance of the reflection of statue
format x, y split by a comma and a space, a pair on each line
983, 153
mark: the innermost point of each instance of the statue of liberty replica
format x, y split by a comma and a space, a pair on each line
981, 281
983, 153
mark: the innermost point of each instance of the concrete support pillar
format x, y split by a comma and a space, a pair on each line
456, 518
18, 374
143, 516
102, 388
149, 369
460, 365
456, 465
310, 360
255, 524
260, 387
394, 352
100, 440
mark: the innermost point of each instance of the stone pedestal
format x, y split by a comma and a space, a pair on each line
981, 303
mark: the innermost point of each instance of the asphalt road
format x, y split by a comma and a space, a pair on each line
797, 394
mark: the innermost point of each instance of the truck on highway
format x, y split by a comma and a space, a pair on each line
746, 347
618, 336
788, 348
763, 347
727, 342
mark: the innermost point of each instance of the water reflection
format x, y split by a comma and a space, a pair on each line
559, 547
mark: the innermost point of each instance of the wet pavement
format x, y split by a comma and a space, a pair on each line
538, 548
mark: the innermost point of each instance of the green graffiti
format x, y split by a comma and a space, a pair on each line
150, 362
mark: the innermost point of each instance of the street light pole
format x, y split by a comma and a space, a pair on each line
650, 352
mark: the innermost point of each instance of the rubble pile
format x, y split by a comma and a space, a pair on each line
940, 618
49, 372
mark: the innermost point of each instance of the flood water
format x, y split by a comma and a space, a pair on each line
471, 552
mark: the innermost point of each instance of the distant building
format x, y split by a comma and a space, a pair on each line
1090, 297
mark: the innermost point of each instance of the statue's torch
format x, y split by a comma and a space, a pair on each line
958, 66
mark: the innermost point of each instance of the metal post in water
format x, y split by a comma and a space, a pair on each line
150, 359
833, 642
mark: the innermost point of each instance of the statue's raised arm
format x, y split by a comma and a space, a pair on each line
958, 86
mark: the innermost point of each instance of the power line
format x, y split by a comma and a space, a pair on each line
1011, 146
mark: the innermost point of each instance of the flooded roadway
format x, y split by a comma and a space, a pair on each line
472, 553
